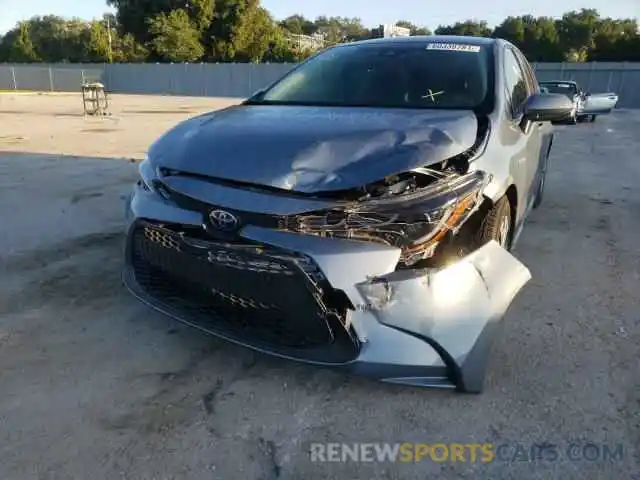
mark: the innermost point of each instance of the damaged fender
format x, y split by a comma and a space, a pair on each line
454, 309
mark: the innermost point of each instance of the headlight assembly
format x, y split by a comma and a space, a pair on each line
149, 179
147, 174
415, 222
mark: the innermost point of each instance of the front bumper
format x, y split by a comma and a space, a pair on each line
343, 306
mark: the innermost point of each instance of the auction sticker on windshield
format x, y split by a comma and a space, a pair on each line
456, 47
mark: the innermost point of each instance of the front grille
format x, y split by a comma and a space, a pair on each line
249, 292
264, 220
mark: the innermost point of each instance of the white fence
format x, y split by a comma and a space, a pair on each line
241, 79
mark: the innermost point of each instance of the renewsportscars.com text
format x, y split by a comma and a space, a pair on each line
465, 452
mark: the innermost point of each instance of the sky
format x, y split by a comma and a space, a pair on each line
372, 12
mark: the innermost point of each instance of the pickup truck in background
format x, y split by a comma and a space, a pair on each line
587, 106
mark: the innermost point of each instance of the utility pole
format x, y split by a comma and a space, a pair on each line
109, 53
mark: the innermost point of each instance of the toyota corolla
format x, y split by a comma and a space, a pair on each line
359, 213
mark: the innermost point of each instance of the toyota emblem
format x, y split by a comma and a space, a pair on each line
223, 220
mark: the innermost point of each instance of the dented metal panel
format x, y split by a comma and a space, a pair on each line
454, 309
452, 305
313, 148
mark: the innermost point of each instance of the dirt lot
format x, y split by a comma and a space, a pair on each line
95, 385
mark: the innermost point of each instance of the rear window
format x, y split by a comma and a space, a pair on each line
401, 75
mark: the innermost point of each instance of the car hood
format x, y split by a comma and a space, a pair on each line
312, 149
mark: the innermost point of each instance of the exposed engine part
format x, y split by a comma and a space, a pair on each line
402, 183
413, 212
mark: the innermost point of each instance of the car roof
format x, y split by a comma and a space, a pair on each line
424, 39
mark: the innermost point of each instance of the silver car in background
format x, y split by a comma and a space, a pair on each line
586, 105
358, 214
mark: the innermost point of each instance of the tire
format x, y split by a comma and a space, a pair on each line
593, 118
497, 225
540, 193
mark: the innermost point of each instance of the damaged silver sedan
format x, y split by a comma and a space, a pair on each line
357, 214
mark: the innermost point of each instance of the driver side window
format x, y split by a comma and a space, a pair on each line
516, 84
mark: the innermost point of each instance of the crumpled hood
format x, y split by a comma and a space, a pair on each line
312, 149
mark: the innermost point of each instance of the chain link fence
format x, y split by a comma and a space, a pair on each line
242, 79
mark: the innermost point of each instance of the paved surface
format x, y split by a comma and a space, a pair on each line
94, 385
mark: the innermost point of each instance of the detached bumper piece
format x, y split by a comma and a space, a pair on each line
455, 309
269, 299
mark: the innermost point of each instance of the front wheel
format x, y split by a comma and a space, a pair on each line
593, 118
497, 224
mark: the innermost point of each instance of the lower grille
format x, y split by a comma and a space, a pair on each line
258, 295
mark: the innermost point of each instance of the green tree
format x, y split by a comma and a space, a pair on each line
100, 44
341, 29
627, 49
511, 29
577, 32
134, 15
285, 50
18, 45
51, 37
415, 30
174, 37
471, 28
201, 13
298, 25
241, 30
76, 41
536, 37
614, 40
256, 35
4, 51
128, 50
542, 42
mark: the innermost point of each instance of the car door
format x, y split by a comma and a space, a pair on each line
543, 129
599, 103
525, 138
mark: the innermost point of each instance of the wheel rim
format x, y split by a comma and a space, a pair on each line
503, 231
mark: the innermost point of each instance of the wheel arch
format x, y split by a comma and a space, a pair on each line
511, 192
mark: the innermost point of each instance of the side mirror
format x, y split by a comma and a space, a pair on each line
547, 107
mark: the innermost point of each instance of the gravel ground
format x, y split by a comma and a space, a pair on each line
95, 385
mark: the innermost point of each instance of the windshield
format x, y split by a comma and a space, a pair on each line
567, 89
451, 76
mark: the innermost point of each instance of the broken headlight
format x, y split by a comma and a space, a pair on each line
415, 220
149, 179
146, 174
